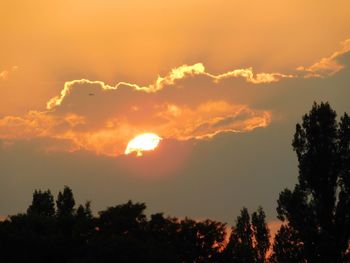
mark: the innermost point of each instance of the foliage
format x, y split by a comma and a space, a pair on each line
261, 235
122, 233
249, 240
286, 247
65, 203
317, 211
42, 204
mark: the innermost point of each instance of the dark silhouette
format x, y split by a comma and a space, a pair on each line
65, 203
317, 211
261, 235
42, 204
315, 216
286, 247
249, 240
122, 233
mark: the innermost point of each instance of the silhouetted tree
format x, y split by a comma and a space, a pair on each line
317, 211
65, 202
240, 247
84, 211
199, 241
162, 233
31, 237
249, 240
122, 219
66, 241
42, 204
261, 235
286, 247
120, 234
83, 233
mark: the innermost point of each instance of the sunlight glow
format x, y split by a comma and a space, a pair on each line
143, 142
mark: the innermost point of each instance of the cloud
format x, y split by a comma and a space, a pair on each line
189, 103
209, 119
327, 66
110, 137
101, 118
169, 80
5, 73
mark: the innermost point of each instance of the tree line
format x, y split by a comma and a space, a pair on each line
315, 218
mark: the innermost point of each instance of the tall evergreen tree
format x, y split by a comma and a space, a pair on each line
317, 211
65, 202
42, 204
84, 211
240, 246
261, 235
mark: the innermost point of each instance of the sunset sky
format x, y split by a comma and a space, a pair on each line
221, 84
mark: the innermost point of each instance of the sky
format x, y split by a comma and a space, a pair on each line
222, 83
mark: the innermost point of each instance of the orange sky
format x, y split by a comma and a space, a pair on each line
193, 72
57, 41
187, 103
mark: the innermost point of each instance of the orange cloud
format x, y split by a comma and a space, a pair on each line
209, 119
183, 105
169, 80
329, 65
97, 117
204, 121
110, 138
5, 73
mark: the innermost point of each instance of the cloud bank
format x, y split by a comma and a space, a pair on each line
101, 118
189, 103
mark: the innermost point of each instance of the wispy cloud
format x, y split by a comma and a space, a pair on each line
98, 117
111, 135
6, 73
170, 79
189, 103
327, 66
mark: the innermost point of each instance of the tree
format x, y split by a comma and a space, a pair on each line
65, 202
240, 246
122, 219
249, 240
286, 247
261, 235
121, 234
30, 237
65, 223
199, 241
42, 204
84, 212
317, 211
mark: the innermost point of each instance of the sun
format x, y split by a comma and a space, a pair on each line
143, 142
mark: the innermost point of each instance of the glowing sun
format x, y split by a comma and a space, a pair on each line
143, 142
